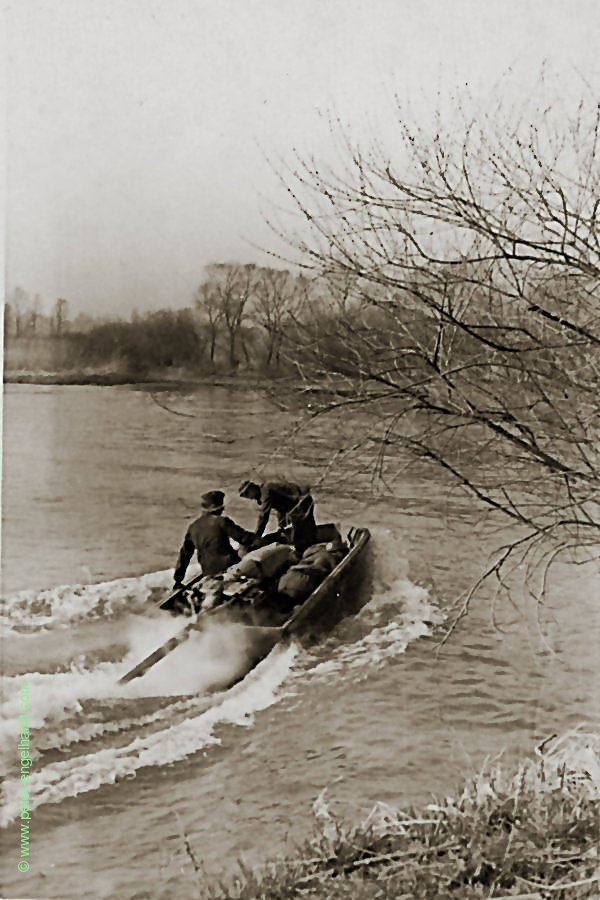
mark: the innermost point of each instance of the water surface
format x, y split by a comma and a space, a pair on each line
99, 484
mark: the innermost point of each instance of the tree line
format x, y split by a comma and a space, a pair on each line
243, 316
24, 316
240, 317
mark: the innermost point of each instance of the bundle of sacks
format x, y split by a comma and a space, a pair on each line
302, 578
258, 565
265, 562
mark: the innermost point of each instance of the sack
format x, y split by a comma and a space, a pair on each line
320, 558
302, 579
266, 562
298, 584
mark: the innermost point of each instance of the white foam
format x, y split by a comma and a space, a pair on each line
381, 643
81, 774
209, 657
398, 613
67, 735
206, 660
52, 697
67, 604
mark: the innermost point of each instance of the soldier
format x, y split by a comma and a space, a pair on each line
210, 536
292, 503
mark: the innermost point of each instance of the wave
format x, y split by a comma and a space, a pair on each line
28, 612
77, 775
397, 613
210, 658
53, 697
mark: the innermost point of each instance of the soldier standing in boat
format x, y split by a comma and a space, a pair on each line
292, 503
210, 536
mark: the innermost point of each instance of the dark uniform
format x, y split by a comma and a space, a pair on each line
210, 535
290, 501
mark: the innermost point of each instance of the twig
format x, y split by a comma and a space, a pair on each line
382, 858
561, 887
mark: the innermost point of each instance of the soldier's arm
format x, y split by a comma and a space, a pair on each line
185, 555
237, 533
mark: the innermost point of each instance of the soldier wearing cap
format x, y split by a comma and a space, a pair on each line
292, 503
210, 536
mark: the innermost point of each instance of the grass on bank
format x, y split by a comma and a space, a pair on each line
533, 834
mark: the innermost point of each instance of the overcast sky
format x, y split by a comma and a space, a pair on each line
137, 129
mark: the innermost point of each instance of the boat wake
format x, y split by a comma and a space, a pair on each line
87, 731
27, 612
398, 613
87, 772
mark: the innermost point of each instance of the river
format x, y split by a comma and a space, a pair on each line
98, 485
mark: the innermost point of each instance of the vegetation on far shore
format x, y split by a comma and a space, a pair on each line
534, 834
177, 379
236, 323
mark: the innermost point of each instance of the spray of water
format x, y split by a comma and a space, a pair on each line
213, 657
80, 774
27, 612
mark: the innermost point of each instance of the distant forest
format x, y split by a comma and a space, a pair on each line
240, 318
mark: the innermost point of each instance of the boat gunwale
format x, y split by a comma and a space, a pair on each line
362, 538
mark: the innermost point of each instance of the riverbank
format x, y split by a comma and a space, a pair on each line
174, 380
177, 380
534, 833
180, 380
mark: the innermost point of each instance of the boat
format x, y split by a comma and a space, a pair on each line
255, 603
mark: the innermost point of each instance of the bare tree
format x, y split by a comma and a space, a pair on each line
471, 333
60, 317
224, 298
207, 304
8, 320
34, 315
279, 297
21, 305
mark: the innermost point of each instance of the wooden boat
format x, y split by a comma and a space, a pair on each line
256, 605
